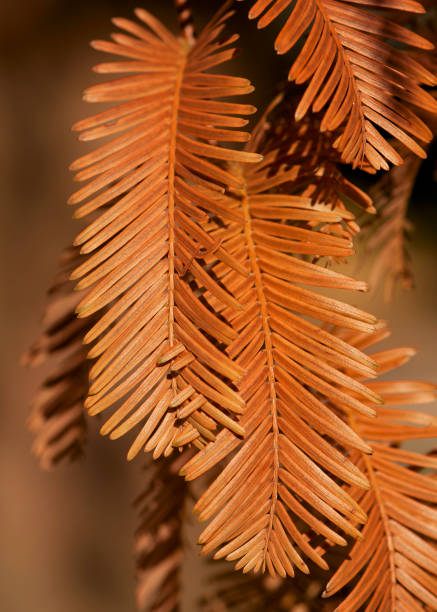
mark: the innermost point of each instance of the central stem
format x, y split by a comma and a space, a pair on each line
270, 363
384, 517
185, 20
171, 197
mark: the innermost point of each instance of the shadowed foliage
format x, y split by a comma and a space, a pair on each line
58, 418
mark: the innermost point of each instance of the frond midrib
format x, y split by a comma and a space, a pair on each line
262, 300
385, 520
171, 196
352, 79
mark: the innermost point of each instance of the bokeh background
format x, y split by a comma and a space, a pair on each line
66, 536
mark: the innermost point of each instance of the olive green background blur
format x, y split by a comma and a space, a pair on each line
66, 536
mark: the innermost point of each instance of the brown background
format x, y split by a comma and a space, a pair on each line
66, 536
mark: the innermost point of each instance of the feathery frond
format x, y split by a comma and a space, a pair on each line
359, 80
162, 178
159, 537
387, 241
394, 566
203, 322
313, 165
58, 416
283, 472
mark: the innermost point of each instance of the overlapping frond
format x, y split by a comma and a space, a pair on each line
159, 537
158, 346
201, 300
388, 233
58, 418
394, 566
360, 81
282, 478
313, 166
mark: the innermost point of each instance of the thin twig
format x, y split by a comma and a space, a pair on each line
185, 18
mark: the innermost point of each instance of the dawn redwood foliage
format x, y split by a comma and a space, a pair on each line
194, 309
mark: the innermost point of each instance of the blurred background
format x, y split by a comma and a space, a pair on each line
66, 535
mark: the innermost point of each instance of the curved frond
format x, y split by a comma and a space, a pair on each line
283, 475
58, 418
159, 537
394, 566
160, 179
360, 81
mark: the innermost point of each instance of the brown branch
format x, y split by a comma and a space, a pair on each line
185, 18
